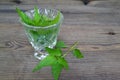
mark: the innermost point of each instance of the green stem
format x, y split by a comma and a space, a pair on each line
70, 49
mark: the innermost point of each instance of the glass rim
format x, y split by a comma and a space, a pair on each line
30, 26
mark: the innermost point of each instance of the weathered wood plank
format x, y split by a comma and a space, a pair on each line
80, 15
72, 8
74, 19
96, 27
93, 36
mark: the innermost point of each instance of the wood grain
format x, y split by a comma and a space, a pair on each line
96, 27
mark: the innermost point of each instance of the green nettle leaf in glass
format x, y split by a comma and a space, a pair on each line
42, 27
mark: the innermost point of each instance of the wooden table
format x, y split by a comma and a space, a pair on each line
96, 26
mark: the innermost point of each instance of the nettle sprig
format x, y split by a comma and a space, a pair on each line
56, 58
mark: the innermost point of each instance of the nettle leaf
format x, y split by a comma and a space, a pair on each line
45, 20
63, 62
56, 19
56, 70
37, 16
54, 52
60, 44
34, 35
77, 53
47, 61
24, 17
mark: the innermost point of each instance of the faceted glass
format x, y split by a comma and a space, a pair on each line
41, 37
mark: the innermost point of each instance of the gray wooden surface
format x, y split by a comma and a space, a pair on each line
96, 26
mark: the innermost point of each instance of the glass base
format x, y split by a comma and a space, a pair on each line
40, 55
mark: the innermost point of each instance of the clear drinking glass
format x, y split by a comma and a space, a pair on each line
41, 37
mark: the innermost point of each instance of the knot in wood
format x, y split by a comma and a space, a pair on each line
111, 33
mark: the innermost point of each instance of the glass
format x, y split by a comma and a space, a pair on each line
41, 37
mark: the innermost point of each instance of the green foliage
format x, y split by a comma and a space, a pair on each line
24, 17
60, 44
38, 19
77, 53
63, 62
34, 34
48, 61
56, 19
54, 52
57, 60
56, 70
